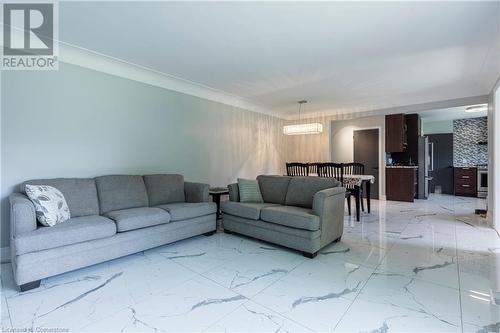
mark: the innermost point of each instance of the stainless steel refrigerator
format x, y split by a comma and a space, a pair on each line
425, 166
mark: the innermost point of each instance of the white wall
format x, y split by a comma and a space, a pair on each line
77, 122
494, 158
437, 127
309, 148
342, 143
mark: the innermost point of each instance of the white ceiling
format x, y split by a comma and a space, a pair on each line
449, 114
342, 57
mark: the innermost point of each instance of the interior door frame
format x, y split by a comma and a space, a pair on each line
381, 153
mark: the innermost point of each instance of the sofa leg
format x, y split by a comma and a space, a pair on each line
338, 239
310, 255
29, 286
209, 233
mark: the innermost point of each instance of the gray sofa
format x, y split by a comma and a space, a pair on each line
302, 213
111, 216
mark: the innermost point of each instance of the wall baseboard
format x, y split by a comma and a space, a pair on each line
4, 254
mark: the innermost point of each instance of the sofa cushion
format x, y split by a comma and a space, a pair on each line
136, 218
75, 230
188, 210
120, 192
163, 189
248, 210
80, 193
273, 188
301, 190
294, 217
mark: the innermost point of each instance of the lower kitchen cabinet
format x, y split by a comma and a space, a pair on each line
465, 180
401, 184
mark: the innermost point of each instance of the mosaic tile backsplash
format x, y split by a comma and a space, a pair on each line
466, 135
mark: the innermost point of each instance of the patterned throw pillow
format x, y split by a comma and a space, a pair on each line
249, 190
50, 206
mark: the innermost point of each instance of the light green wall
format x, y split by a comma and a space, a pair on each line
77, 122
437, 127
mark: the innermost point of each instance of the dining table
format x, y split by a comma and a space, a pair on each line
356, 182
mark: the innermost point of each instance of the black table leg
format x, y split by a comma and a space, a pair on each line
357, 193
368, 194
216, 199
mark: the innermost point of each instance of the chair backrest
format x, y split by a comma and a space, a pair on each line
313, 167
297, 169
354, 168
332, 170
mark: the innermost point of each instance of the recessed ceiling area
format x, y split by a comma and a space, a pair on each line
343, 57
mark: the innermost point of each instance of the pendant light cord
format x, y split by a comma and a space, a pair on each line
300, 106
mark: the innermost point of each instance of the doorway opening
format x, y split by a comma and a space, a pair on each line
366, 152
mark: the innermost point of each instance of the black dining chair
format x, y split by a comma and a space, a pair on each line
355, 168
335, 170
297, 169
313, 167
332, 170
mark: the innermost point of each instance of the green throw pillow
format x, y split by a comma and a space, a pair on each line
249, 190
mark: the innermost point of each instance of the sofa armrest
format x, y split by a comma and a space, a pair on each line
234, 192
22, 215
196, 192
329, 206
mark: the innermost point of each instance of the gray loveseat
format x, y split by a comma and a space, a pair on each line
111, 216
302, 213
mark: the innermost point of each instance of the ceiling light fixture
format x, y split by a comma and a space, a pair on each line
480, 298
480, 293
477, 108
299, 129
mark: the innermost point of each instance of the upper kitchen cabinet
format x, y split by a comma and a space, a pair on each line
401, 136
413, 132
395, 133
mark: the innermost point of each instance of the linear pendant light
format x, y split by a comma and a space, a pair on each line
300, 129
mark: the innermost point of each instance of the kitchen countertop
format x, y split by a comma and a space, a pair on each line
470, 166
402, 166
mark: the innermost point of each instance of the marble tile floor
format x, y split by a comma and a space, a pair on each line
430, 266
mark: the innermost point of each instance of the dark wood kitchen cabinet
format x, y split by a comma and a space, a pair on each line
395, 133
465, 181
413, 132
401, 184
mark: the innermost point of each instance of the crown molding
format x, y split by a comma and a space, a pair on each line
82, 57
76, 55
